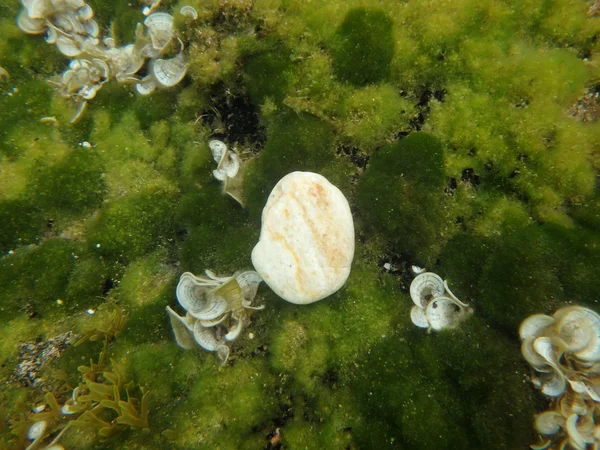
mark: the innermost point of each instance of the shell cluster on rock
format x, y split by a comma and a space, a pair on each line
216, 310
70, 26
436, 307
564, 351
228, 169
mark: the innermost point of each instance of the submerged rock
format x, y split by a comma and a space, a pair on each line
306, 242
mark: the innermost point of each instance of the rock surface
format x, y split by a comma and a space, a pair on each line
306, 242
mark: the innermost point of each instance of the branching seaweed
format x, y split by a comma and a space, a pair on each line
107, 330
101, 401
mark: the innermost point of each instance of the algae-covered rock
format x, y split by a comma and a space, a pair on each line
268, 73
20, 223
74, 184
401, 194
133, 225
363, 46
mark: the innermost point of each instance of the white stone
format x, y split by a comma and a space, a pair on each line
306, 241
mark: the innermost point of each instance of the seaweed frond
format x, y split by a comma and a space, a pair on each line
107, 330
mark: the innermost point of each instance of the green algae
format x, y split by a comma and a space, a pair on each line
363, 47
446, 125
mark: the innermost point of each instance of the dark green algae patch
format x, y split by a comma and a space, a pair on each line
451, 129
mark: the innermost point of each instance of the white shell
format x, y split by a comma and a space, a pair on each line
189, 11
160, 27
29, 25
579, 328
92, 28
205, 337
306, 241
169, 72
417, 316
444, 313
67, 46
424, 287
146, 85
533, 357
248, 282
234, 331
554, 384
37, 430
38, 9
85, 13
578, 438
418, 270
51, 35
228, 162
549, 422
533, 325
183, 335
222, 353
194, 296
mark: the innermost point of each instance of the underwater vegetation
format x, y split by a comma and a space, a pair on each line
465, 138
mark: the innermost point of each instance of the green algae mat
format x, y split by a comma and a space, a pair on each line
464, 135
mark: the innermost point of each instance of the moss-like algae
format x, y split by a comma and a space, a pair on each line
446, 124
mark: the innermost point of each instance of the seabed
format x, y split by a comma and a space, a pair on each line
464, 135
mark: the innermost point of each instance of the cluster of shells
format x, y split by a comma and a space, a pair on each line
216, 310
228, 169
70, 26
564, 351
436, 307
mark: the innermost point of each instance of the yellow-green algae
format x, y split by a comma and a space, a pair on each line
445, 123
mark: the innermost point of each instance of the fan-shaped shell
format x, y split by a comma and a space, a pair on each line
228, 162
38, 9
67, 46
205, 337
572, 404
248, 281
533, 325
85, 13
234, 332
29, 25
443, 313
195, 298
549, 422
417, 316
554, 384
579, 434
146, 86
189, 11
160, 28
91, 28
169, 72
425, 287
533, 357
218, 149
183, 335
579, 328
